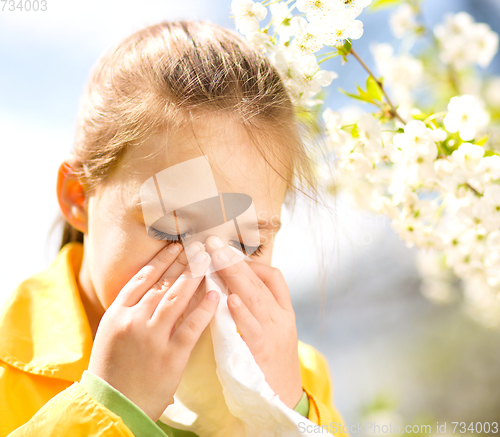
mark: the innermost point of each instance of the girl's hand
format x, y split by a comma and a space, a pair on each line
139, 347
262, 310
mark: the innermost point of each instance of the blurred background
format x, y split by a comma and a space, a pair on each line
394, 356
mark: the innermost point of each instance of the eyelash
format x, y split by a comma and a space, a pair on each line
169, 238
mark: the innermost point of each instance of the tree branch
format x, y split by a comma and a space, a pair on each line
394, 112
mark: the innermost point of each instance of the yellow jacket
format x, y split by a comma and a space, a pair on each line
45, 346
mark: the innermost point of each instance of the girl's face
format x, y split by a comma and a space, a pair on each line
117, 245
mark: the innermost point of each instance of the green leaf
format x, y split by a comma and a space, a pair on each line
482, 141
422, 116
363, 96
380, 4
361, 91
490, 153
355, 131
346, 48
373, 89
353, 96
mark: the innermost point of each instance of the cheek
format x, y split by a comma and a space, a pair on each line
262, 259
117, 255
266, 256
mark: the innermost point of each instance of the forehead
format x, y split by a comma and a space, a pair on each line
235, 163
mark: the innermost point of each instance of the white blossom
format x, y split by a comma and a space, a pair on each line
418, 154
467, 156
488, 168
443, 167
466, 116
412, 231
486, 43
454, 183
281, 21
464, 42
472, 217
439, 135
402, 73
340, 26
305, 77
417, 141
317, 10
247, 15
370, 133
463, 258
334, 123
261, 41
354, 7
403, 20
333, 120
309, 37
357, 164
488, 208
369, 129
383, 205
281, 57
492, 258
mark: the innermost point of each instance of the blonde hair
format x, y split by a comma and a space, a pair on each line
159, 76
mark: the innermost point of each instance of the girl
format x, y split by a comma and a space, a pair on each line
98, 342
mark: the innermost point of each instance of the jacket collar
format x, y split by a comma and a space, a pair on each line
43, 325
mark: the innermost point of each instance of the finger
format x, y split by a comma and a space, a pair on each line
252, 291
143, 280
248, 326
150, 300
188, 333
271, 276
275, 282
176, 299
211, 246
196, 298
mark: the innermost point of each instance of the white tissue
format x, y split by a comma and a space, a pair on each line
223, 392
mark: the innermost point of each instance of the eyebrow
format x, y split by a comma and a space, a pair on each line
271, 224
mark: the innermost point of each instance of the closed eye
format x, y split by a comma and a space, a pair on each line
254, 250
170, 238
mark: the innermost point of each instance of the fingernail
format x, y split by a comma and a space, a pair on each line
173, 248
236, 301
222, 256
217, 242
200, 257
192, 249
212, 295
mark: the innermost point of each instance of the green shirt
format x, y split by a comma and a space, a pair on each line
137, 420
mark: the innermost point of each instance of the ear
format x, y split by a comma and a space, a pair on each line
71, 195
